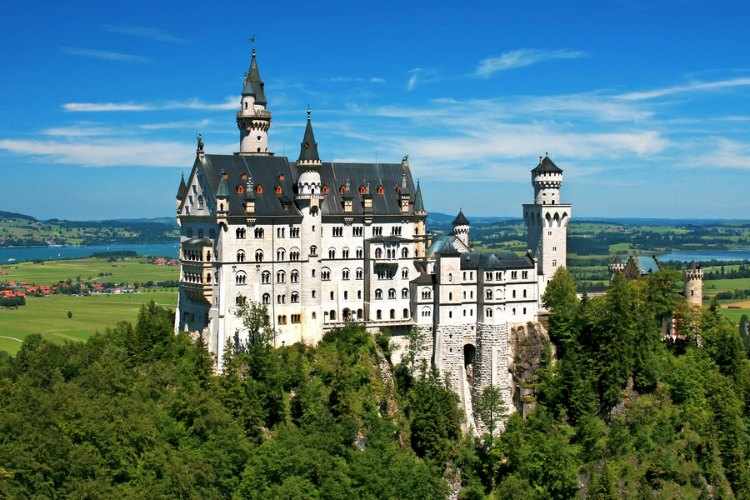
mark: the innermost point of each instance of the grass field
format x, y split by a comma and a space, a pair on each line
48, 316
129, 270
712, 287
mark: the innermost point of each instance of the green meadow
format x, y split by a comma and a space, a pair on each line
128, 270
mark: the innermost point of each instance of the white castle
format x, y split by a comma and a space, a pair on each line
323, 243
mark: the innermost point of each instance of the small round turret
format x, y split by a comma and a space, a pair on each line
547, 179
616, 266
693, 276
461, 228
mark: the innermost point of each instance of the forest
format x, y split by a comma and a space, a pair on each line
138, 412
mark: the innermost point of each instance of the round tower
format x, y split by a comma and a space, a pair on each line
547, 179
309, 183
461, 228
253, 119
616, 266
693, 276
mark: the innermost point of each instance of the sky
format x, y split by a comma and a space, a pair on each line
645, 105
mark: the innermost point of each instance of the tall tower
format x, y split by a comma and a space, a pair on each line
420, 229
253, 119
547, 221
461, 229
693, 276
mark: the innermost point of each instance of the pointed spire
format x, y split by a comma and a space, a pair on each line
309, 148
182, 191
253, 83
418, 203
404, 175
461, 219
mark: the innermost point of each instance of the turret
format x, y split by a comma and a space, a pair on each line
616, 266
253, 119
182, 192
404, 194
420, 228
308, 184
693, 276
461, 227
547, 179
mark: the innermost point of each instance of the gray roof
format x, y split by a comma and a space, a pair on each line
253, 84
424, 279
308, 150
546, 166
182, 191
492, 262
418, 203
461, 219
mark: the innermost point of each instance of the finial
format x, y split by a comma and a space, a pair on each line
309, 112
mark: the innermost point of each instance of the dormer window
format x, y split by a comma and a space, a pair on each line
381, 190
239, 189
259, 189
324, 189
362, 189
277, 189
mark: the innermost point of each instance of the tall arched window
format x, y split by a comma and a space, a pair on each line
378, 253
331, 253
265, 278
325, 274
266, 299
404, 274
392, 293
345, 274
378, 294
240, 233
345, 253
379, 314
280, 254
280, 277
240, 278
360, 273
259, 233
313, 251
295, 297
294, 254
360, 253
404, 253
240, 256
404, 293
405, 313
393, 314
294, 276
488, 294
200, 201
259, 256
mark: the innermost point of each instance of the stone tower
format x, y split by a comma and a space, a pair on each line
420, 228
253, 119
616, 266
547, 221
461, 229
693, 276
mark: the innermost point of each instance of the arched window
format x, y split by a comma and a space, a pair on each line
405, 313
404, 293
331, 253
280, 254
294, 254
426, 312
200, 201
378, 253
488, 294
295, 297
294, 276
313, 211
266, 298
450, 276
392, 293
345, 253
208, 277
265, 278
404, 274
345, 274
325, 274
359, 273
259, 233
313, 251
378, 294
360, 313
332, 315
280, 277
239, 301
360, 253
240, 278
426, 294
450, 295
240, 233
240, 256
393, 314
404, 253
259, 256
379, 314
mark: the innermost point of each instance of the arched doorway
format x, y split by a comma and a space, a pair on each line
470, 353
347, 314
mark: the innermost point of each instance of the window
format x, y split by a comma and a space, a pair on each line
280, 231
345, 253
266, 299
499, 276
313, 211
281, 299
450, 295
359, 273
345, 274
524, 293
357, 231
258, 233
296, 318
396, 231
200, 233
359, 294
280, 254
200, 201
378, 294
377, 231
360, 253
282, 319
331, 253
392, 293
379, 314
450, 314
488, 276
259, 256
464, 294
514, 294
294, 232
294, 276
240, 300
240, 278
360, 313
325, 274
524, 310
426, 313
378, 253
313, 251
450, 276
524, 274
331, 295
488, 294
240, 256
392, 314
404, 253
338, 232
426, 294
390, 253
240, 233
294, 297
488, 313
294, 255
404, 293
404, 274
332, 315
514, 275
554, 263
265, 278
280, 277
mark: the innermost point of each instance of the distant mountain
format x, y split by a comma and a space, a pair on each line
13, 215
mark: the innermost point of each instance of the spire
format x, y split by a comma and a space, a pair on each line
253, 83
418, 203
309, 148
182, 191
546, 166
461, 219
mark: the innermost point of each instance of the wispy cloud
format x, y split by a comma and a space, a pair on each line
104, 55
355, 79
176, 125
724, 153
521, 58
690, 87
144, 32
413, 80
78, 131
229, 103
419, 76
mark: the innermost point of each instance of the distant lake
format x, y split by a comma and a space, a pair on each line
21, 254
705, 255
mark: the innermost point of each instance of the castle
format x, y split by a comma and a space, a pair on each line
323, 243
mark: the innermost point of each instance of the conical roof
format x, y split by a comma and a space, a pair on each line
253, 83
418, 203
309, 148
461, 219
182, 191
547, 166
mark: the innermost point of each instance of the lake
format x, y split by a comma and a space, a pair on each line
21, 254
705, 255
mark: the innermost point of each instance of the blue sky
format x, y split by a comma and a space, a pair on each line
643, 104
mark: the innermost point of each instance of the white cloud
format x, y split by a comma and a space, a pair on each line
110, 152
229, 103
78, 131
144, 32
690, 87
175, 125
355, 79
104, 55
521, 58
411, 83
724, 153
